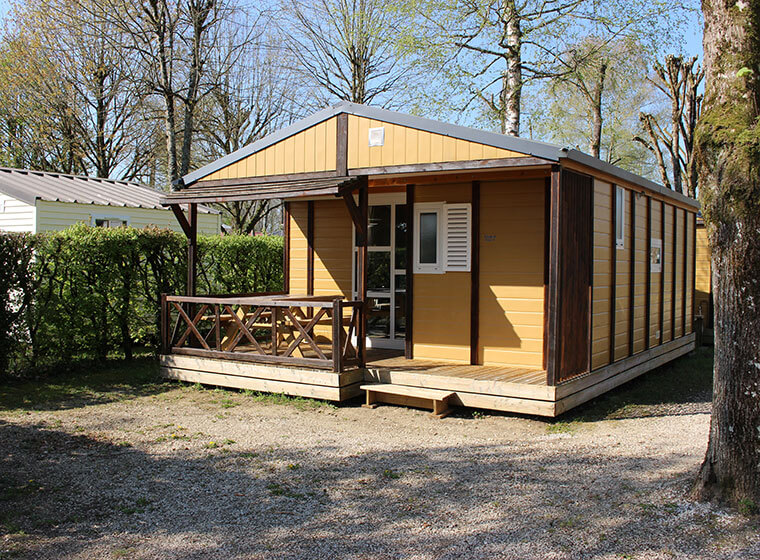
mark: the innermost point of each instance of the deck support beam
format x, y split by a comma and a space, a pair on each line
189, 227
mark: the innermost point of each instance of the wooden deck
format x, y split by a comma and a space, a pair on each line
502, 388
505, 388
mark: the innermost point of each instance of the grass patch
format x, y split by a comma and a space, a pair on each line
300, 403
109, 382
685, 380
561, 427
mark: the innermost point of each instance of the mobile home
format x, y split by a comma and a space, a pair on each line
433, 264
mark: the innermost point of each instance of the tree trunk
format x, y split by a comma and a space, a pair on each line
596, 111
727, 144
513, 80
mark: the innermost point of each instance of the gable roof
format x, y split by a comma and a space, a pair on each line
29, 186
549, 152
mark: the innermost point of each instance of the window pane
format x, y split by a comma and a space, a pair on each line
378, 317
379, 271
428, 238
401, 237
379, 226
400, 282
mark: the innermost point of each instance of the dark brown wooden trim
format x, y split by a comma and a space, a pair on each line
685, 269
192, 249
409, 342
613, 270
181, 219
694, 269
353, 210
547, 235
632, 278
475, 277
553, 358
592, 207
675, 274
341, 152
362, 266
648, 260
400, 180
310, 248
247, 181
662, 274
286, 246
452, 166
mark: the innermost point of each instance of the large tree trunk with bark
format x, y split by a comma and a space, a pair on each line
727, 149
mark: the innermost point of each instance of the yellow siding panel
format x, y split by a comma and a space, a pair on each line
310, 150
703, 272
511, 273
602, 282
332, 248
298, 247
405, 145
442, 301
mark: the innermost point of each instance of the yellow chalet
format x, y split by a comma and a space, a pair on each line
434, 265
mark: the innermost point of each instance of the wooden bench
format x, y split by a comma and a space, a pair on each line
409, 396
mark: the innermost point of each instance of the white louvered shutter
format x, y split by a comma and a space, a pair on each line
457, 242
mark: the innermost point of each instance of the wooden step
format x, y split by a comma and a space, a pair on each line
409, 396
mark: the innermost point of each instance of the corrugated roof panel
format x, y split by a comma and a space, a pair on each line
29, 186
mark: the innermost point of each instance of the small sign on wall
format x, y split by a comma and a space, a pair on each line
377, 136
655, 255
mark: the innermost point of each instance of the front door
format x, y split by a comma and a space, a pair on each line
386, 271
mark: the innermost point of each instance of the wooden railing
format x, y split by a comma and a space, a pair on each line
309, 331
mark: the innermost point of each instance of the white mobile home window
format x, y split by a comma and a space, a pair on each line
110, 221
428, 238
620, 217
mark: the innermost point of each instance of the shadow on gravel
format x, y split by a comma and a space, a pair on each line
60, 492
683, 386
99, 384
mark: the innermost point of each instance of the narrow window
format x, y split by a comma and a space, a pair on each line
428, 238
620, 217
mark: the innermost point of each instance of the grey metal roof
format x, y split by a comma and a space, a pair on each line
29, 186
550, 152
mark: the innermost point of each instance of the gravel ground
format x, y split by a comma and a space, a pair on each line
187, 473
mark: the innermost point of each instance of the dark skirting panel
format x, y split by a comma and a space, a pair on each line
575, 256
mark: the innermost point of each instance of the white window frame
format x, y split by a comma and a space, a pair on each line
96, 217
620, 217
656, 244
429, 208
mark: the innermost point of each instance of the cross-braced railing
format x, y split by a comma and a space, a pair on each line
309, 331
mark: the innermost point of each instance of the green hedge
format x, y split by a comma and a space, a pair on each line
86, 293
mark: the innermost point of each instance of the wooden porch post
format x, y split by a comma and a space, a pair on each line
362, 266
192, 248
475, 276
552, 309
286, 247
409, 340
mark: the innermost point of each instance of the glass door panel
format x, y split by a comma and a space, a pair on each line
386, 273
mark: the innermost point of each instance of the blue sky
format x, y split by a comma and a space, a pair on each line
692, 46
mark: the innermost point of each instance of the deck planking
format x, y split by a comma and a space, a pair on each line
390, 360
